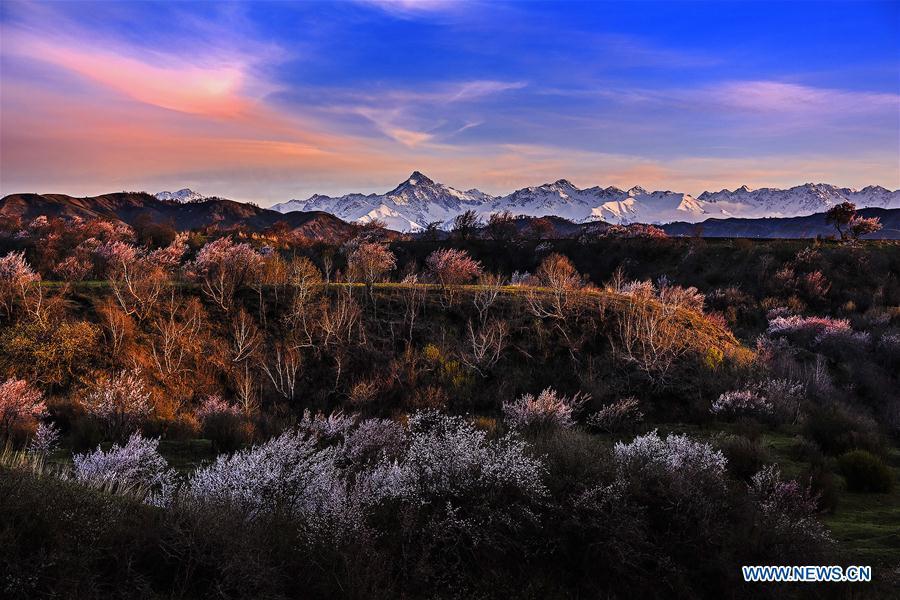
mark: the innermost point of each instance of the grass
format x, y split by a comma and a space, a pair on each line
868, 525
865, 525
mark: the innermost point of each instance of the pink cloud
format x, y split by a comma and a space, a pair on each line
773, 96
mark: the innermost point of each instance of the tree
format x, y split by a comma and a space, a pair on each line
223, 267
369, 261
860, 226
501, 226
119, 402
452, 267
465, 224
20, 405
840, 217
432, 231
540, 228
17, 281
557, 273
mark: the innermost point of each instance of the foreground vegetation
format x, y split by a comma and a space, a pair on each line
194, 415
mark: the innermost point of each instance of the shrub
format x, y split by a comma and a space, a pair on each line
677, 455
288, 476
452, 267
45, 440
20, 406
621, 415
741, 403
837, 430
548, 409
120, 402
135, 468
222, 423
745, 457
865, 472
787, 516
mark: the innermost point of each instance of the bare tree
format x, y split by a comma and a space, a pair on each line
485, 344
489, 287
282, 366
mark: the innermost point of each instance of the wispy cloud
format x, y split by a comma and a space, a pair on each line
416, 8
779, 97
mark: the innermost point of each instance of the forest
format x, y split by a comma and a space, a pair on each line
490, 413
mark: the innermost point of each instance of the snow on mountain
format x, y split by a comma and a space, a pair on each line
182, 195
797, 201
410, 206
610, 204
419, 200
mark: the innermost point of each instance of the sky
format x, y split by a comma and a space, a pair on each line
267, 102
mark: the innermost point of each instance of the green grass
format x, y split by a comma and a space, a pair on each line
866, 526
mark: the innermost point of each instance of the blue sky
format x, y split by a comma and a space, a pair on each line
270, 101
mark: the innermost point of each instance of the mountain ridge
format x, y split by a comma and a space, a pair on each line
419, 200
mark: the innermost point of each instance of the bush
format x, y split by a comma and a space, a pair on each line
621, 415
741, 403
136, 468
745, 457
549, 409
222, 423
837, 430
865, 472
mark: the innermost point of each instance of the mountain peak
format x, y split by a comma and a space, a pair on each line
419, 178
182, 195
743, 188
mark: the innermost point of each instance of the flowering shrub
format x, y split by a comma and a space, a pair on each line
678, 481
740, 402
452, 267
333, 427
20, 405
889, 345
16, 280
689, 298
223, 267
215, 406
369, 261
372, 441
558, 273
677, 455
788, 510
635, 230
45, 440
785, 396
811, 326
520, 278
618, 416
114, 257
288, 475
222, 423
136, 467
119, 402
456, 487
169, 257
547, 409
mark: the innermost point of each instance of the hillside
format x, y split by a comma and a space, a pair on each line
129, 207
790, 227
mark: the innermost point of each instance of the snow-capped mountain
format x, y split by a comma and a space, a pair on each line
609, 204
410, 206
182, 195
797, 201
419, 200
